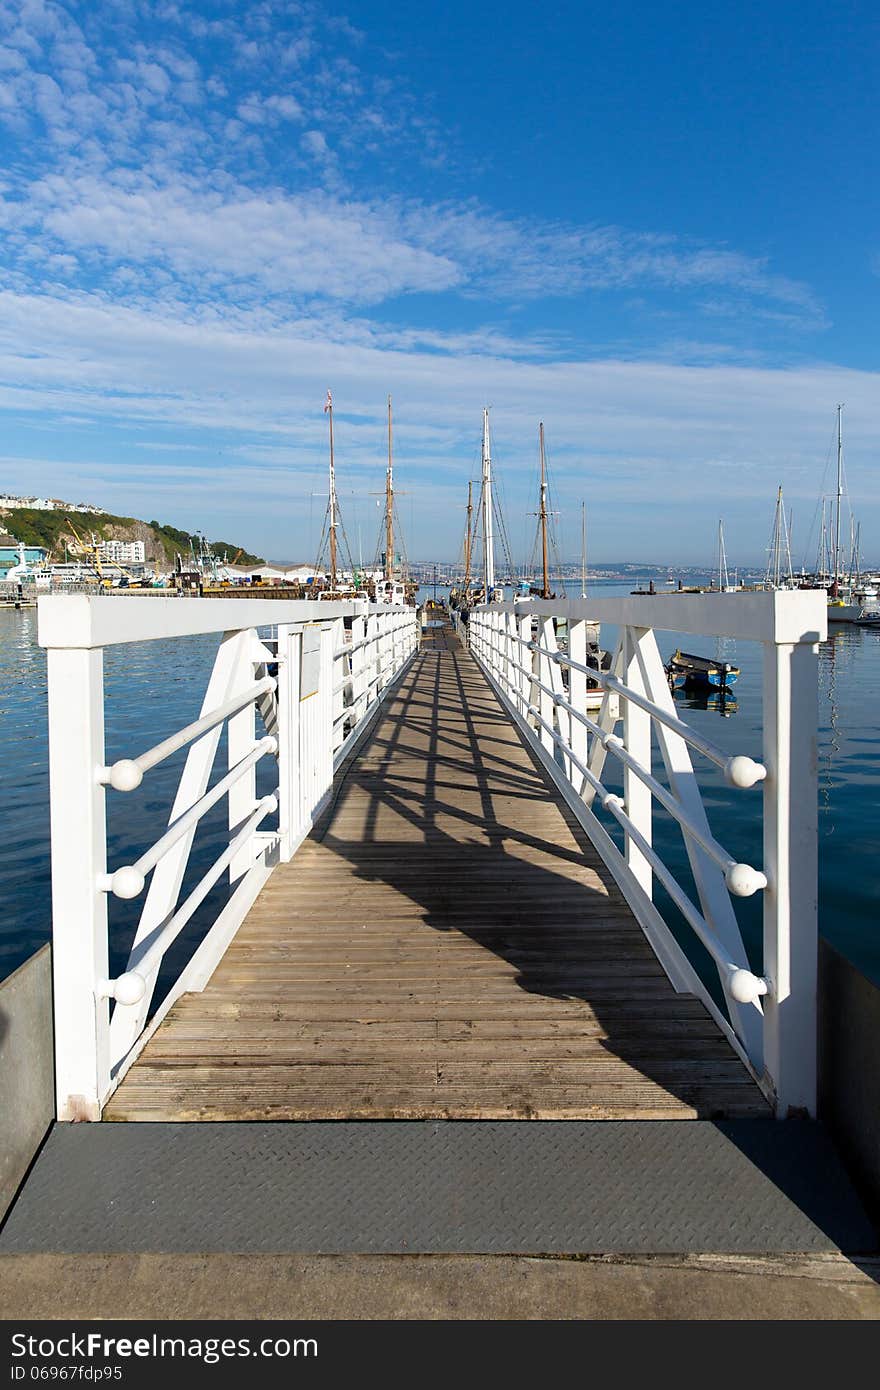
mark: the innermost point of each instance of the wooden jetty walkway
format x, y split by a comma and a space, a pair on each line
446, 944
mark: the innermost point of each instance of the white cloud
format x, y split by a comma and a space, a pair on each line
324, 245
658, 448
191, 252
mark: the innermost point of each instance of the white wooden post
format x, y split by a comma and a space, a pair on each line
607, 720
315, 713
358, 668
791, 865
392, 647
546, 640
241, 737
577, 695
289, 816
372, 655
511, 648
524, 659
79, 907
384, 656
637, 740
496, 644
339, 672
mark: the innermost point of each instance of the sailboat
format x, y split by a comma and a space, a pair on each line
724, 584
779, 573
337, 584
544, 591
487, 592
392, 588
460, 596
841, 607
488, 518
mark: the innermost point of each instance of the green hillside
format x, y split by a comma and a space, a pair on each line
162, 541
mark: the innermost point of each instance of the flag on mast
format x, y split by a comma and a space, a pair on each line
329, 403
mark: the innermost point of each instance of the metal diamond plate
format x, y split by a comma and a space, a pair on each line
747, 1186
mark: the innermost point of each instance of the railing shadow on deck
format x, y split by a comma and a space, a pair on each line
420, 799
418, 785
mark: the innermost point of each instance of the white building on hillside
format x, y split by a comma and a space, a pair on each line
121, 552
45, 504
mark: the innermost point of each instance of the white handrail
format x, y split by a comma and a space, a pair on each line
312, 711
742, 880
128, 881
127, 773
129, 987
613, 803
773, 1016
748, 987
738, 771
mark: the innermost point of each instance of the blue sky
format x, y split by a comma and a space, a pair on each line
655, 228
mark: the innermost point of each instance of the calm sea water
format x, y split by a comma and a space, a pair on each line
154, 688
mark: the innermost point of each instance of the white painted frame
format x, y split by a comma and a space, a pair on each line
771, 1019
308, 736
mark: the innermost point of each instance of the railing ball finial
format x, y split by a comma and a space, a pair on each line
742, 880
129, 988
745, 987
125, 775
127, 882
741, 771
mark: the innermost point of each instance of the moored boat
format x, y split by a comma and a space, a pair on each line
687, 671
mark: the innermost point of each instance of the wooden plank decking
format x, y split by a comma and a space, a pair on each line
446, 945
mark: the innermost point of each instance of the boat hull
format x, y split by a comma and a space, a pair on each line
844, 612
703, 680
689, 672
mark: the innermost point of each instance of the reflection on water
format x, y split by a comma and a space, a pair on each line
721, 702
155, 687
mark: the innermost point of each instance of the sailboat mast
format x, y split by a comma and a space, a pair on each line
720, 553
789, 527
852, 547
583, 550
777, 538
389, 507
835, 582
467, 539
488, 538
332, 502
545, 590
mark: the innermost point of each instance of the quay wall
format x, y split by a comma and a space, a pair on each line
27, 1072
849, 1075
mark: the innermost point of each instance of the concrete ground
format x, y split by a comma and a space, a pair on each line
153, 1286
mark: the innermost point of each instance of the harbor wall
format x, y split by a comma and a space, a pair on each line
849, 1077
27, 1075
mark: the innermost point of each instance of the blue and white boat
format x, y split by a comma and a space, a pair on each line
689, 672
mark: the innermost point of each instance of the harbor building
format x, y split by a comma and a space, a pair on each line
121, 552
11, 554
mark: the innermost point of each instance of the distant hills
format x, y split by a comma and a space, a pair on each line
53, 529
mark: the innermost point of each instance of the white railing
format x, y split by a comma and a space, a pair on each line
315, 683
770, 1017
